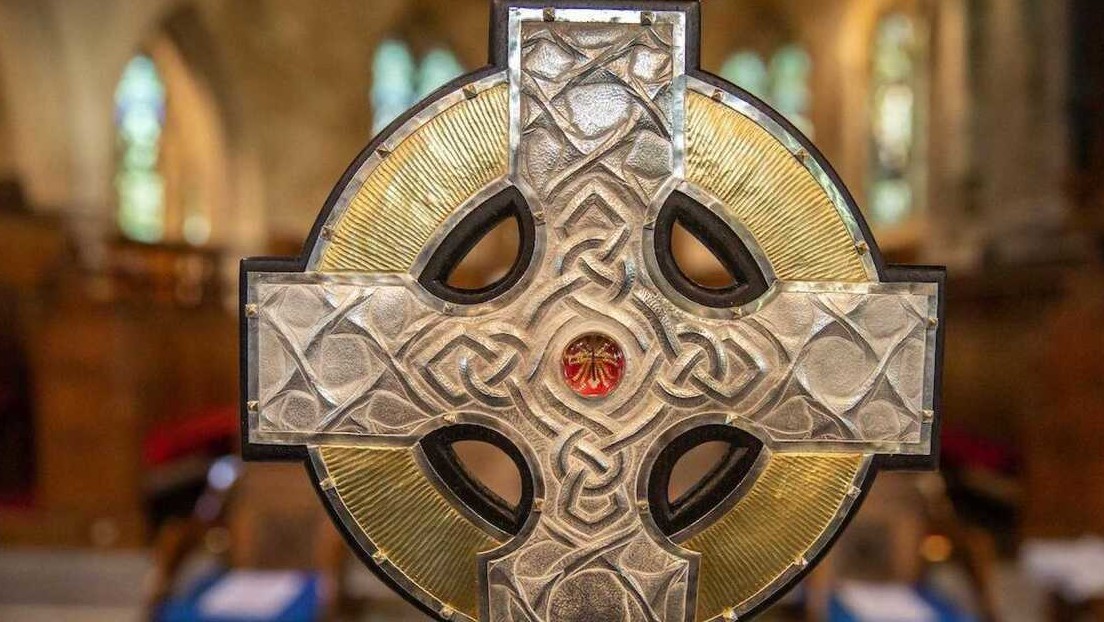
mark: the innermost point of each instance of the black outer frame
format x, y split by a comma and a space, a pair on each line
499, 61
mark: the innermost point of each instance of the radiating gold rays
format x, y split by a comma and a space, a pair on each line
419, 184
768, 190
790, 507
412, 525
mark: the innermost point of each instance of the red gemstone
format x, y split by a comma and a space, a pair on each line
593, 365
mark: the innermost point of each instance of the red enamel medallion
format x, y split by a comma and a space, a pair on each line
593, 365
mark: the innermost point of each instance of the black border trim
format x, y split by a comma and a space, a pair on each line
673, 516
437, 446
748, 282
451, 252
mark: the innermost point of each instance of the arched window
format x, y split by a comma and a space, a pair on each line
894, 120
399, 80
139, 120
783, 82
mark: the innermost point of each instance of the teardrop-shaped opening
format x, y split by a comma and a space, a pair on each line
702, 257
490, 260
694, 467
697, 262
485, 471
491, 468
697, 472
485, 254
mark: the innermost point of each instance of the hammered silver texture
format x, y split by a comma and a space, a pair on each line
373, 359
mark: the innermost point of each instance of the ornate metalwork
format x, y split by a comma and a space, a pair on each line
598, 124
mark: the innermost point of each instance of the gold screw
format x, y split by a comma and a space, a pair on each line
929, 416
718, 95
933, 322
383, 152
802, 156
447, 612
252, 405
379, 557
862, 247
549, 14
470, 92
647, 18
538, 505
251, 310
730, 615
327, 232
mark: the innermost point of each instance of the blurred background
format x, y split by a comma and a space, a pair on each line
147, 145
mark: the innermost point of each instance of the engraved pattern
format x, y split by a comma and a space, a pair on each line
767, 189
371, 359
407, 196
354, 357
384, 491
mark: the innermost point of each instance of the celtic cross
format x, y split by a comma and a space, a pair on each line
595, 362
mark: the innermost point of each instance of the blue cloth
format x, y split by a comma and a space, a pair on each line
305, 607
945, 611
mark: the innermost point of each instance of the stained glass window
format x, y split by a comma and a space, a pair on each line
399, 80
790, 72
139, 121
393, 74
783, 82
893, 120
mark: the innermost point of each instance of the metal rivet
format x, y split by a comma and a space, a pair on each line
802, 155
470, 92
252, 405
738, 313
862, 247
327, 232
383, 152
538, 505
933, 322
731, 419
379, 557
448, 308
449, 418
327, 484
549, 14
854, 492
801, 562
447, 612
642, 507
730, 615
251, 310
718, 95
929, 416
647, 18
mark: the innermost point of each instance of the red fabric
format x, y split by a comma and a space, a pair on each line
205, 431
962, 450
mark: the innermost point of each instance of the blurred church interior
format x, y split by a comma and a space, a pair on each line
147, 145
